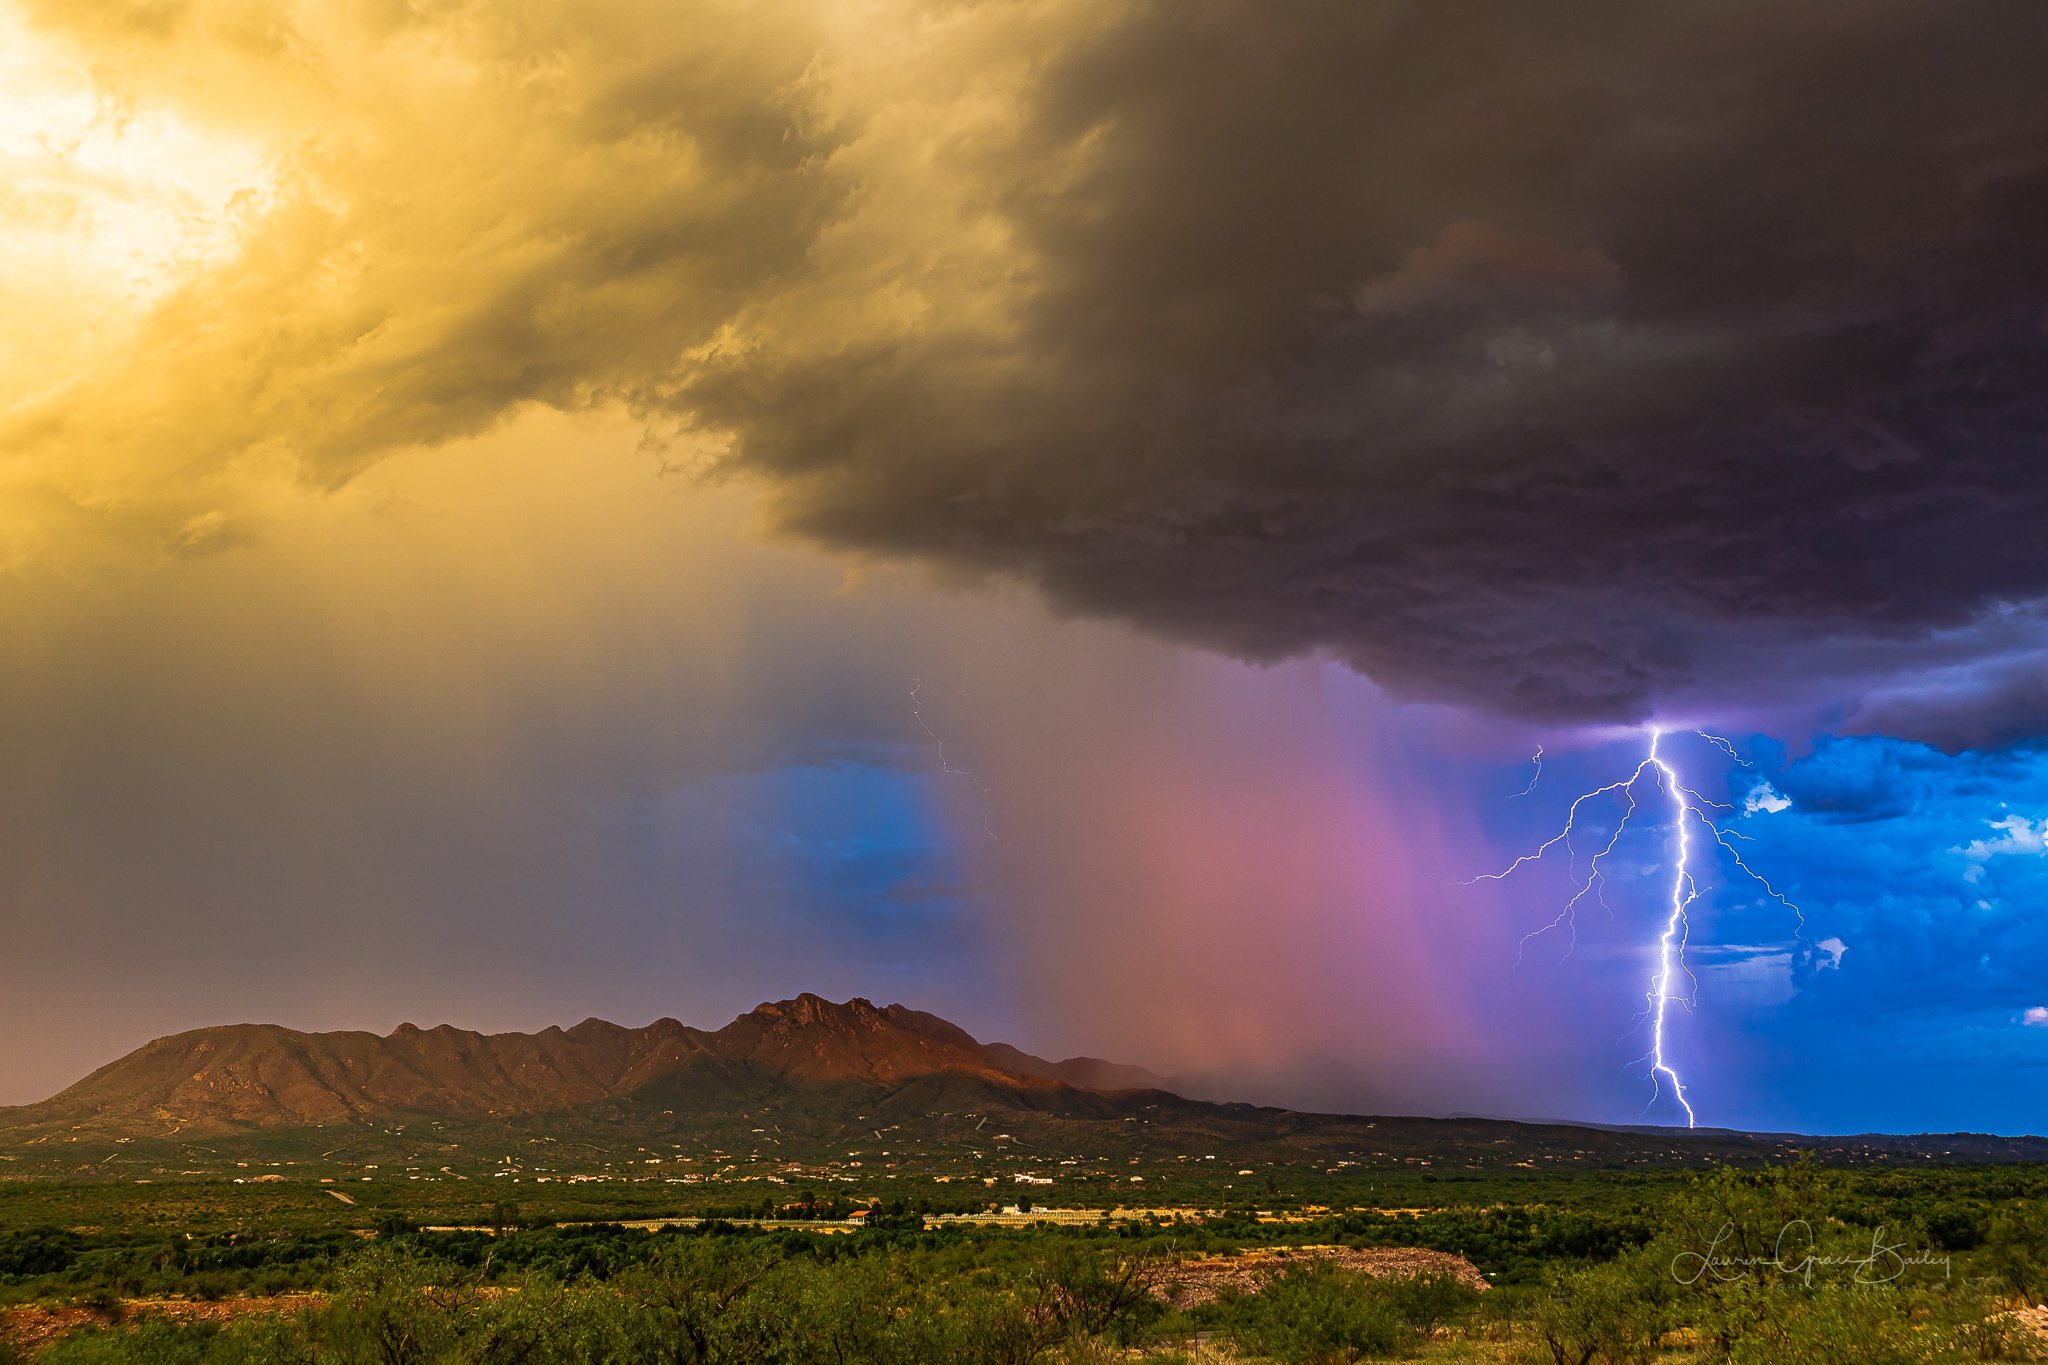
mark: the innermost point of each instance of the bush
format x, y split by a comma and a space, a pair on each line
209, 1285
151, 1343
2016, 1252
39, 1251
105, 1301
1871, 1325
1315, 1313
1427, 1302
1607, 1315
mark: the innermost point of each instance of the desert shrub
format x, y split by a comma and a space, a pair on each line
1954, 1228
1314, 1314
395, 1305
209, 1286
1081, 1291
273, 1282
691, 1304
104, 1300
1605, 1315
1798, 1264
1512, 1244
1872, 1325
151, 1342
2016, 1251
39, 1251
1427, 1302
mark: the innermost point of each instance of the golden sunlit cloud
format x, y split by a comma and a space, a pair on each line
287, 244
108, 205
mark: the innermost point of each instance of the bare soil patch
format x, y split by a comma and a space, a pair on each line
32, 1327
1200, 1279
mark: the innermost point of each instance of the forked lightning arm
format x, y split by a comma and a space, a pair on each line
946, 764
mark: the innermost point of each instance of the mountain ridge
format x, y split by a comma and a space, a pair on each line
272, 1076
789, 1077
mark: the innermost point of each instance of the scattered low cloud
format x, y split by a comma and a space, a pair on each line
1764, 799
2017, 835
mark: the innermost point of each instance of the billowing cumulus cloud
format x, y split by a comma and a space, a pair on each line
469, 210
1569, 360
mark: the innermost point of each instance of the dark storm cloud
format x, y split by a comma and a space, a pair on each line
1568, 359
1997, 704
1518, 354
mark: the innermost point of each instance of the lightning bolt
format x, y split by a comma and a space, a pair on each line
1691, 814
1677, 929
1535, 777
946, 764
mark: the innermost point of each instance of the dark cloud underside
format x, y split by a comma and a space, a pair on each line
1517, 354
1536, 356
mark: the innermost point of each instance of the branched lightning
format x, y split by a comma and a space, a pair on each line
1535, 777
1690, 811
946, 764
1593, 884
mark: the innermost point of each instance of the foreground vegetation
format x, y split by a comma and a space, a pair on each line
1788, 1264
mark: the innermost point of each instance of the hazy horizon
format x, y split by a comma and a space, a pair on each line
1192, 1087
